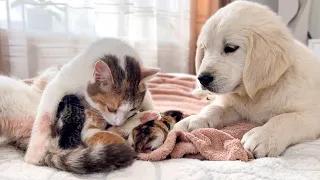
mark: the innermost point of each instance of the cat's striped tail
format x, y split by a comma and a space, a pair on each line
82, 160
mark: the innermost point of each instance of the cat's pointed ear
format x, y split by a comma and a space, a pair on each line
148, 73
102, 72
145, 75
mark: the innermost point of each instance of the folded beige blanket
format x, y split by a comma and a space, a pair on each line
174, 93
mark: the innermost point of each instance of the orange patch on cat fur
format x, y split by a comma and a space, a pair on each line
104, 137
92, 127
111, 101
117, 130
16, 128
41, 84
161, 124
95, 117
45, 123
38, 83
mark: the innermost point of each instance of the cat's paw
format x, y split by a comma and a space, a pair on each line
148, 116
35, 155
264, 142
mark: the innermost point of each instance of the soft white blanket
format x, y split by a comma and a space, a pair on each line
298, 162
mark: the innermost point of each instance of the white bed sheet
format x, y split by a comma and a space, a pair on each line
298, 162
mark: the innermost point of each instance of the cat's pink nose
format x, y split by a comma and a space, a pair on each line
115, 122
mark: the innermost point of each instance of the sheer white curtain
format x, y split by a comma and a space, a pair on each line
36, 34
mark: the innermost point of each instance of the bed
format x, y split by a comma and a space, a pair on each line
298, 162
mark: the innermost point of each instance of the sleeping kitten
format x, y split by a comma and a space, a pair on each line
152, 134
69, 123
110, 78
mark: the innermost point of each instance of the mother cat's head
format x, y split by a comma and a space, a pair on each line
117, 88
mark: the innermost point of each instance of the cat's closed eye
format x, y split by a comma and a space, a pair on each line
112, 110
133, 109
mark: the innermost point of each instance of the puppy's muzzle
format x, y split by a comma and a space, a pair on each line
205, 79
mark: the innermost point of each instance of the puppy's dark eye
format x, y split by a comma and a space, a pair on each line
230, 48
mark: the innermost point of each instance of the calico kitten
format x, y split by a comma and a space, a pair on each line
109, 76
151, 135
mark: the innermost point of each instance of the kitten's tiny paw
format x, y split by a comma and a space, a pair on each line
263, 142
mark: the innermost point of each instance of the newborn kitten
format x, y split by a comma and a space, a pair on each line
69, 124
152, 134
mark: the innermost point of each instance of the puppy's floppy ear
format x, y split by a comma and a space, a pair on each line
199, 56
268, 57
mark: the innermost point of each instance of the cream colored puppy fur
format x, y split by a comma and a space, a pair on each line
271, 78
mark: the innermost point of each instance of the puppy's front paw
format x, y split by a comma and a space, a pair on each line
263, 142
182, 125
197, 122
191, 123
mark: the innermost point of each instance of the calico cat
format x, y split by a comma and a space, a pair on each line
19, 101
108, 75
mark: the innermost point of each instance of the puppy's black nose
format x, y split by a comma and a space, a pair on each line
205, 79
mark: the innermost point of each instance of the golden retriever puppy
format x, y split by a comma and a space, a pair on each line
258, 72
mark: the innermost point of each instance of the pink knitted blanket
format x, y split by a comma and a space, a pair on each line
206, 143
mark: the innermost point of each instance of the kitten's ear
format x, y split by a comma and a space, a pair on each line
102, 72
147, 73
